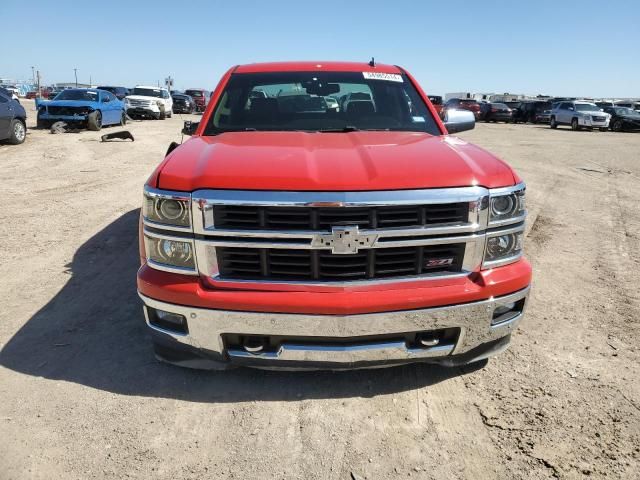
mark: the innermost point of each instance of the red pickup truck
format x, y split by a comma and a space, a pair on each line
295, 230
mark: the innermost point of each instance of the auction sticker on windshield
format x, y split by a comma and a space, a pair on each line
390, 77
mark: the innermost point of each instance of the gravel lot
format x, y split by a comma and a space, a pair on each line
82, 396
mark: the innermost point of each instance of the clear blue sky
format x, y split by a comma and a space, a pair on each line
559, 47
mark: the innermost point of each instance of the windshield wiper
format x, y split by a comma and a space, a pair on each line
346, 128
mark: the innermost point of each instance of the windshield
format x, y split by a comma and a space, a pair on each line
147, 92
587, 107
86, 95
327, 101
194, 93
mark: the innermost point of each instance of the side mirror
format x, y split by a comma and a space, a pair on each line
190, 127
459, 120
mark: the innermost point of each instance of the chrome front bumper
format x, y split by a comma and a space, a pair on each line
207, 328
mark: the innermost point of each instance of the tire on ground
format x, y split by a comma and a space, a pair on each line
94, 121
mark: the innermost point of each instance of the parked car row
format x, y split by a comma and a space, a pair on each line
577, 114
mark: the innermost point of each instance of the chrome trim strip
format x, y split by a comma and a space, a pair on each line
343, 199
219, 281
379, 242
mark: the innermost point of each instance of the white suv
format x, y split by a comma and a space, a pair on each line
578, 115
149, 102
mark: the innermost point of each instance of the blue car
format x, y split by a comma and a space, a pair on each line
82, 107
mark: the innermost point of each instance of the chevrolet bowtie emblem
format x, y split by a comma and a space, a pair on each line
343, 240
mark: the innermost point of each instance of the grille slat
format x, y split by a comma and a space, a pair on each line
323, 218
323, 266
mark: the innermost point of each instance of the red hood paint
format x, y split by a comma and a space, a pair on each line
301, 161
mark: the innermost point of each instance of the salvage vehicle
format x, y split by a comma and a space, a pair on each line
623, 119
200, 96
149, 102
330, 240
183, 103
82, 107
579, 115
13, 119
495, 112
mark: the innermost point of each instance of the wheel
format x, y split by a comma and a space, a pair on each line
603, 129
170, 114
162, 115
552, 122
574, 125
617, 126
94, 121
123, 119
18, 132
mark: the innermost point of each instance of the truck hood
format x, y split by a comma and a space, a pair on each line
307, 161
68, 103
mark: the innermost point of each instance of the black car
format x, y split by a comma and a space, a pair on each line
119, 92
13, 119
534, 112
495, 112
623, 119
183, 103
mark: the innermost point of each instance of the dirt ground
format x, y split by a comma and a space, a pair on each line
81, 395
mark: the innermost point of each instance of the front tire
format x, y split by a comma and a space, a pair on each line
603, 129
123, 119
574, 125
617, 126
18, 132
94, 121
552, 123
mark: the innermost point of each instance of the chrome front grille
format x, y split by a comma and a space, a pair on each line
139, 103
325, 239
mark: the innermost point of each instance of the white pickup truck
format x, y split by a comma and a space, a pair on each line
149, 102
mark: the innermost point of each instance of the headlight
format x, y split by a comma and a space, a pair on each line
503, 247
167, 208
507, 205
170, 253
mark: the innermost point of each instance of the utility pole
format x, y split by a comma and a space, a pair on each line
33, 74
90, 82
38, 82
75, 72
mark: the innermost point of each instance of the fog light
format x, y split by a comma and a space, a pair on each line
502, 309
507, 311
167, 320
